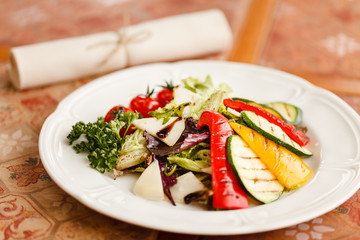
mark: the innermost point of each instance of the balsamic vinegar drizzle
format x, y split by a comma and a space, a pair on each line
163, 133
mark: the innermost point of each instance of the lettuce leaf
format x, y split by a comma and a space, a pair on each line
194, 159
204, 88
133, 151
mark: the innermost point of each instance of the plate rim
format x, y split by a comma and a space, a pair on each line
62, 107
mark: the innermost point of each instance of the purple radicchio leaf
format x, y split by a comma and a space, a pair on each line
190, 137
167, 181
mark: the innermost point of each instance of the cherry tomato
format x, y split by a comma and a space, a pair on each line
166, 93
112, 114
144, 104
164, 96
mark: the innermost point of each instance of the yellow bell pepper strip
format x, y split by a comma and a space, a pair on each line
227, 192
290, 170
295, 134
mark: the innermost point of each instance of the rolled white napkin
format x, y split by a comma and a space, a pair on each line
167, 39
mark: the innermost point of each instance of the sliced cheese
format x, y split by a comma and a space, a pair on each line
149, 184
186, 184
169, 132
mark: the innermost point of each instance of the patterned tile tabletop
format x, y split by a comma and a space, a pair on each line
316, 39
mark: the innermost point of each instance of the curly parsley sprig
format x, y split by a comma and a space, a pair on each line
103, 141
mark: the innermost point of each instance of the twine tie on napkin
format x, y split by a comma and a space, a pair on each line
123, 39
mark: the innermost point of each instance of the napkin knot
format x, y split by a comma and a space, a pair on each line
123, 39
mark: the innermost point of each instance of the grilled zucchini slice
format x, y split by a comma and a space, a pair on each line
251, 172
274, 133
288, 112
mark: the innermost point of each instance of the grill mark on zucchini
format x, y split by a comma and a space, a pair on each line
261, 179
271, 191
272, 129
258, 122
287, 112
254, 169
250, 157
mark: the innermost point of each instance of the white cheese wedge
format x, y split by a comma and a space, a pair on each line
149, 184
172, 130
186, 184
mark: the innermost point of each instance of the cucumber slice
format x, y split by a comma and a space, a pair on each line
288, 112
274, 133
258, 181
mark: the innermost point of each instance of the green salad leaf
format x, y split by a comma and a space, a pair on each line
204, 88
194, 159
133, 151
170, 110
214, 102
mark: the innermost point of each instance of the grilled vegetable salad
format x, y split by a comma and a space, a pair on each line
193, 144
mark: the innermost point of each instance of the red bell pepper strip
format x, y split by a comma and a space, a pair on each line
227, 192
295, 134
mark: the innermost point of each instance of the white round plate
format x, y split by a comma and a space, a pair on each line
333, 127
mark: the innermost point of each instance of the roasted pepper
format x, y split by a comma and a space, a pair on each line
295, 134
227, 192
288, 168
